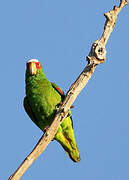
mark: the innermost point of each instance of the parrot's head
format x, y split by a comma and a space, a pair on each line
33, 67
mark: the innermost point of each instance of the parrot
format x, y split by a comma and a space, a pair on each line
41, 102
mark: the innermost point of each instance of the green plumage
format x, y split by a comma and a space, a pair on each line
42, 99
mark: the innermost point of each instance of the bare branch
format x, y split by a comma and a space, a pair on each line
111, 18
96, 56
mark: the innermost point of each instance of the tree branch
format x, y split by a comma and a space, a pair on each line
96, 56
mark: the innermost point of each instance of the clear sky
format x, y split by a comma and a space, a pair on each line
60, 34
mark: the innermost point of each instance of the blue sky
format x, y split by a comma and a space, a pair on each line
60, 34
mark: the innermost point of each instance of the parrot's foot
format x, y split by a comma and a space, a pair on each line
71, 107
45, 129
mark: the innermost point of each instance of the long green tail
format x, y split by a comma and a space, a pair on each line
65, 136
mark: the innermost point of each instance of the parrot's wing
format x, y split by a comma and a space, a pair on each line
59, 90
29, 110
65, 135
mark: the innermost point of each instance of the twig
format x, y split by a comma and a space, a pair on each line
96, 56
111, 18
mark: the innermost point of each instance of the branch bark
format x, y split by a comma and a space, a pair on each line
96, 56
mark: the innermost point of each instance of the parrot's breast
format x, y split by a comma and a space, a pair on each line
43, 100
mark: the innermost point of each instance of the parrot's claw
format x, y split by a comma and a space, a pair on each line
72, 106
57, 108
45, 129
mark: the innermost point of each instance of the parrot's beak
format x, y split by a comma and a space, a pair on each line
32, 68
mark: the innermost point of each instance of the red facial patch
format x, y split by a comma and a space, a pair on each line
38, 65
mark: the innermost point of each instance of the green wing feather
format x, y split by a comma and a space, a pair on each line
65, 134
62, 94
29, 110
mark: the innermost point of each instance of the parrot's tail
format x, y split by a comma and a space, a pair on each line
74, 154
69, 146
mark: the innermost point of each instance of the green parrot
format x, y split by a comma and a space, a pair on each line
42, 100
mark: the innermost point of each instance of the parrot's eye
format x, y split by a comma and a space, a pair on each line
38, 65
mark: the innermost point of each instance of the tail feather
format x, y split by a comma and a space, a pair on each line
68, 144
74, 154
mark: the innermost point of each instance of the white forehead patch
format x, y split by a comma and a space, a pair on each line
33, 60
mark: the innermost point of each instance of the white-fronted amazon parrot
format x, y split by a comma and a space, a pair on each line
42, 100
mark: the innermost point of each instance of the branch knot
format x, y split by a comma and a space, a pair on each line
97, 53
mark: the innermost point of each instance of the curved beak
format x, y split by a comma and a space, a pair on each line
32, 68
